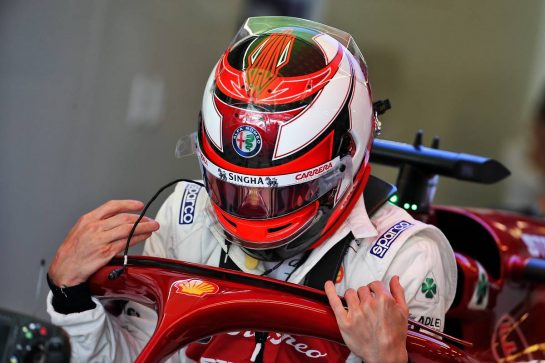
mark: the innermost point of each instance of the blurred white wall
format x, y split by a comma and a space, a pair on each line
72, 73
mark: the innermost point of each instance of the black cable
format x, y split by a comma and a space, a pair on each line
119, 271
303, 258
272, 268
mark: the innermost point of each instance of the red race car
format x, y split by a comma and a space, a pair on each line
497, 314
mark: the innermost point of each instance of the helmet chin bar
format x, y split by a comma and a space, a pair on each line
195, 301
298, 245
330, 220
267, 234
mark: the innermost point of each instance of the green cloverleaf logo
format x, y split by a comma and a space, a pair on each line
482, 289
429, 288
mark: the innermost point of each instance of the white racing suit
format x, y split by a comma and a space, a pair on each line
390, 243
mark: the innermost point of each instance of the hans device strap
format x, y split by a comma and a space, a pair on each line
376, 193
328, 266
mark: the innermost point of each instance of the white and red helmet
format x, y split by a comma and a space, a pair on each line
285, 130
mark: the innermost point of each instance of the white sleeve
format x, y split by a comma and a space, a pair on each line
158, 244
96, 336
423, 276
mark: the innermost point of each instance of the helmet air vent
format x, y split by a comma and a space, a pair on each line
279, 228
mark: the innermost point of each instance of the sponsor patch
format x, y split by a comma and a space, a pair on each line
291, 340
340, 275
382, 245
246, 141
429, 290
189, 201
429, 321
195, 287
479, 299
306, 175
330, 168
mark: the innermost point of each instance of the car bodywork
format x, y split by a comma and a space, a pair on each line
498, 313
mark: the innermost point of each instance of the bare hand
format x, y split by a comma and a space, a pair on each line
375, 325
97, 237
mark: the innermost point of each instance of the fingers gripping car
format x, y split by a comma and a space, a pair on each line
284, 139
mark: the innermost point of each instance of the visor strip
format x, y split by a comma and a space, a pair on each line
261, 181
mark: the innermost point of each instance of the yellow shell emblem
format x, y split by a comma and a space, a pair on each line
196, 287
340, 275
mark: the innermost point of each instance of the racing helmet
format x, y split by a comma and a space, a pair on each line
284, 135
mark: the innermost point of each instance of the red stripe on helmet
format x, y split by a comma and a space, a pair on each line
274, 90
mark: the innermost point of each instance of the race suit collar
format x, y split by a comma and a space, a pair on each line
359, 222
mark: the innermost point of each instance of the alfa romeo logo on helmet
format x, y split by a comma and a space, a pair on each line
246, 141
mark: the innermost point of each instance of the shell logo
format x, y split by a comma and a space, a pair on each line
195, 287
340, 275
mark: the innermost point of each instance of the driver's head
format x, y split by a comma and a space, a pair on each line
285, 130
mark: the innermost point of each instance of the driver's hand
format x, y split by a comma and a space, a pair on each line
375, 325
97, 237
